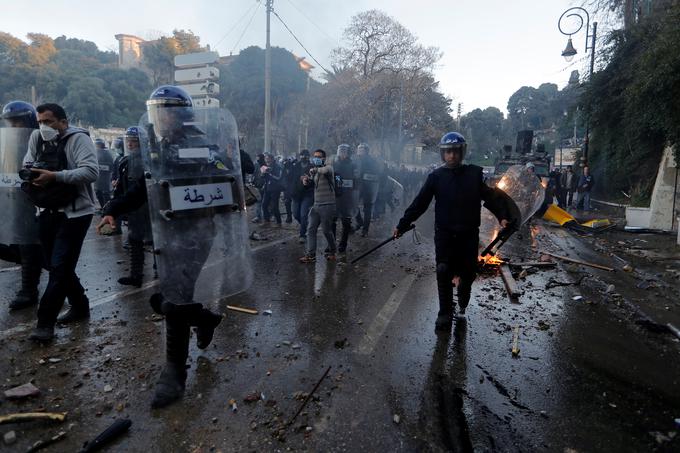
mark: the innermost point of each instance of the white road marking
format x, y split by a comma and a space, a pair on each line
96, 302
382, 320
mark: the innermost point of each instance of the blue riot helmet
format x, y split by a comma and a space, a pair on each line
131, 139
169, 108
363, 148
20, 114
452, 140
99, 143
118, 146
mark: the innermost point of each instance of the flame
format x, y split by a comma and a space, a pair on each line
490, 260
502, 184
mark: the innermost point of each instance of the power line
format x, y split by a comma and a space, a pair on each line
334, 40
298, 41
247, 26
233, 27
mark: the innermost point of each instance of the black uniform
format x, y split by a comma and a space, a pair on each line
458, 194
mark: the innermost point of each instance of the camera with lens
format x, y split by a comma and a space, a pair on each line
27, 175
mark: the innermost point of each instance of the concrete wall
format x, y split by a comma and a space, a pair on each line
661, 206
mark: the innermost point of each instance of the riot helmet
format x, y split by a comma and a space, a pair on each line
363, 149
118, 146
99, 144
169, 108
131, 139
343, 150
453, 141
19, 114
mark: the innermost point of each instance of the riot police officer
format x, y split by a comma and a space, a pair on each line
197, 211
346, 202
19, 120
369, 175
458, 190
130, 173
103, 184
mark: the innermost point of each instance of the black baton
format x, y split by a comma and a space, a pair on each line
386, 241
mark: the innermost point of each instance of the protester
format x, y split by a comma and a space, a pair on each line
584, 187
272, 173
302, 193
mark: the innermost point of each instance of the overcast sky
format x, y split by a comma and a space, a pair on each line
491, 47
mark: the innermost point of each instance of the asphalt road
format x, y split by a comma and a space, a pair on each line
589, 376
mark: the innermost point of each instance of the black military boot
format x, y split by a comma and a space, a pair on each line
170, 386
136, 265
445, 290
78, 310
464, 292
195, 315
31, 266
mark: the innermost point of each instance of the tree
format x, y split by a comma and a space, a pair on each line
159, 55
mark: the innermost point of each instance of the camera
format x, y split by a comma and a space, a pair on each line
27, 175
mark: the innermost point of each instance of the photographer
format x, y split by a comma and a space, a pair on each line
271, 173
60, 156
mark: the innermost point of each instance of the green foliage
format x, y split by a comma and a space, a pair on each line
75, 74
633, 102
159, 55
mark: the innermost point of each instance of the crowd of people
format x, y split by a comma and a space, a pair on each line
569, 189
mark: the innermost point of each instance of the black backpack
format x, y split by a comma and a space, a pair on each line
52, 157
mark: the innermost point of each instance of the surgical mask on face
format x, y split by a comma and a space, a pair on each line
47, 133
317, 161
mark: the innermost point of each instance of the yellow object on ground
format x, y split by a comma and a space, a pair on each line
558, 215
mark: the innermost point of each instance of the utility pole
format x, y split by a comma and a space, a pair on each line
268, 84
460, 110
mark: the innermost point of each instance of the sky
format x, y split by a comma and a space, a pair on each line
490, 48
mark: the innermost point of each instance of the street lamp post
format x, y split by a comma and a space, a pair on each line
569, 52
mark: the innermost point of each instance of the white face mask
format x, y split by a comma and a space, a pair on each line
47, 133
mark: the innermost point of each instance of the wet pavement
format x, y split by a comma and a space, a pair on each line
594, 373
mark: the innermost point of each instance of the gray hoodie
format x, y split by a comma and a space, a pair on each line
82, 170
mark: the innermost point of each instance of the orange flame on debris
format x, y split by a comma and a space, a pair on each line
490, 260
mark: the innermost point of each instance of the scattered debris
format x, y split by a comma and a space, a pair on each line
341, 344
249, 311
510, 283
610, 289
543, 325
267, 312
552, 283
396, 419
515, 341
675, 331
583, 263
22, 391
577, 298
31, 416
534, 264
116, 429
255, 236
661, 438
232, 405
108, 388
251, 398
44, 443
628, 268
309, 396
296, 346
9, 438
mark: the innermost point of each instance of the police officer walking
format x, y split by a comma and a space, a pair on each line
19, 120
197, 211
458, 190
369, 175
130, 173
103, 185
345, 203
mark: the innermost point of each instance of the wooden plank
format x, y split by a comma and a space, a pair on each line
583, 263
249, 311
510, 283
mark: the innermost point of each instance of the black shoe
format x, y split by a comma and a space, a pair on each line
341, 249
42, 334
461, 314
443, 321
206, 328
289, 219
131, 281
170, 386
74, 314
23, 301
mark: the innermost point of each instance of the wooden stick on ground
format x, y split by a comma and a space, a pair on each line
584, 263
249, 311
510, 283
31, 416
515, 341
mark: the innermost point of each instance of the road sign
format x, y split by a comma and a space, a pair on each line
206, 102
196, 59
197, 74
201, 89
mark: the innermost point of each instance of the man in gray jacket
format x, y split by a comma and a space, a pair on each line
324, 210
62, 230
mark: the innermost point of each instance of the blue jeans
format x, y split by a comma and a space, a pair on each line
61, 238
586, 201
301, 207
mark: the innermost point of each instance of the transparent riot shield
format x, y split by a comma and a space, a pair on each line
396, 191
139, 223
196, 203
18, 224
525, 189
